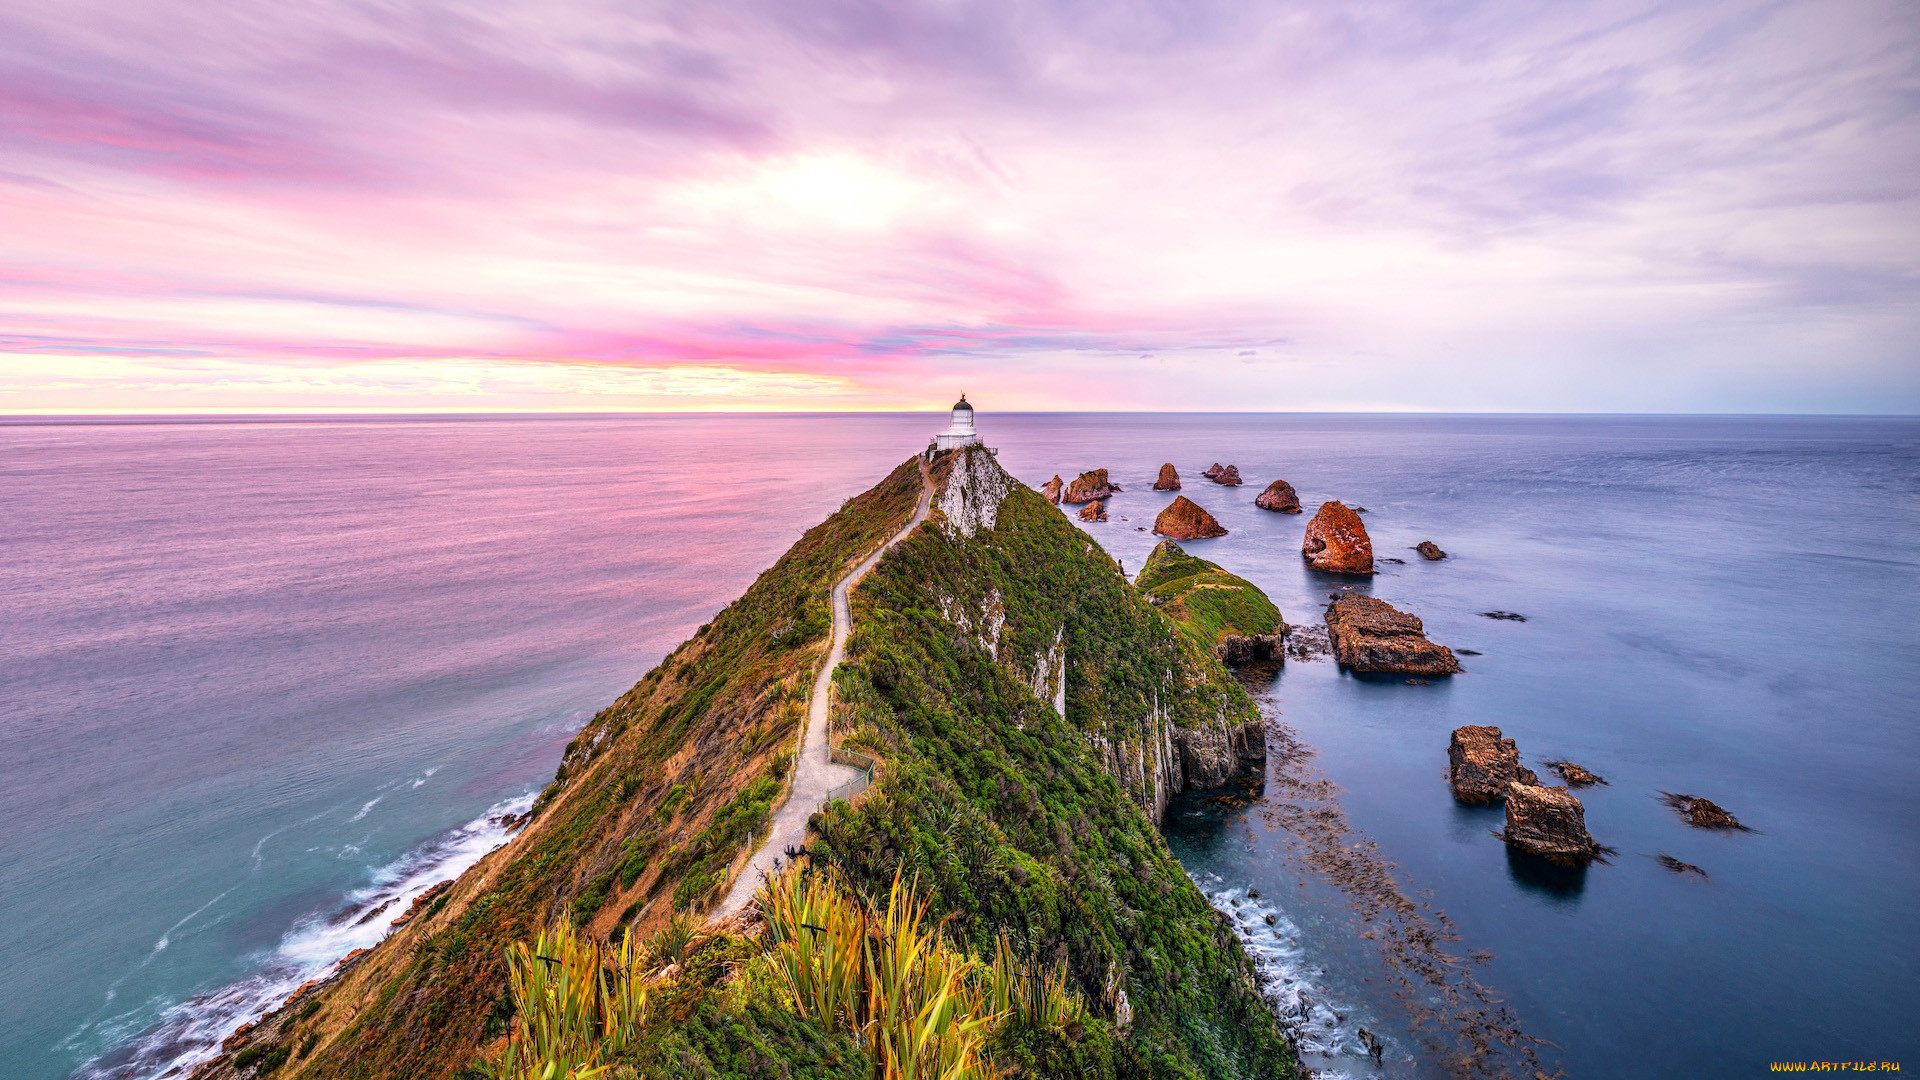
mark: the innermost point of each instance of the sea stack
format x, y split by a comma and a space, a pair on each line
1336, 541
1228, 477
1279, 498
1548, 821
1372, 635
1429, 550
1089, 486
1094, 511
1050, 490
1169, 478
1185, 520
1480, 765
1213, 470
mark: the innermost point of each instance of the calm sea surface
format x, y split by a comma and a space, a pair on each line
258, 679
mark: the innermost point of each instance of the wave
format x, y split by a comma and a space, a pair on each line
1322, 1030
190, 1032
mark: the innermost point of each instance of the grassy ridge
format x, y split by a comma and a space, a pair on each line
654, 801
1007, 810
1207, 602
1001, 811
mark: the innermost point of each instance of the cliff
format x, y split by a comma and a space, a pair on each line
1031, 713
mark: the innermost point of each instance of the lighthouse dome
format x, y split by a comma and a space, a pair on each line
961, 406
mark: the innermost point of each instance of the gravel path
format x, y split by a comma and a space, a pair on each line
813, 774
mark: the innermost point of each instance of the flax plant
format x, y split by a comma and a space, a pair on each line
922, 1009
579, 1003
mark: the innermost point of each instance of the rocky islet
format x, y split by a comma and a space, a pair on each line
1372, 635
1481, 762
1169, 479
1184, 519
1337, 542
1279, 497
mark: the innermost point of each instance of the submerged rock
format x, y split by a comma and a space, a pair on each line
1279, 498
1050, 490
1094, 511
1089, 486
1677, 866
1229, 476
1370, 634
1480, 765
1701, 813
1183, 519
1169, 478
1429, 550
1504, 616
1548, 821
1336, 541
1574, 775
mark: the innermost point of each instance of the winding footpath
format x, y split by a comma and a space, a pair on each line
813, 774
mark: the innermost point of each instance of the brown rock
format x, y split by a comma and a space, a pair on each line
350, 959
1050, 490
1229, 476
1337, 541
1169, 478
1429, 550
1213, 470
1093, 511
1480, 765
1185, 520
1548, 821
1574, 775
420, 903
1701, 813
1089, 486
301, 991
1279, 498
239, 1037
1240, 649
1372, 635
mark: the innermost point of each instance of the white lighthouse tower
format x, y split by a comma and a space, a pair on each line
960, 433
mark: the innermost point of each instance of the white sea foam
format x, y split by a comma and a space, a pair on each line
189, 1032
1325, 1030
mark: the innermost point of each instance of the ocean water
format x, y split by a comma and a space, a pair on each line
262, 678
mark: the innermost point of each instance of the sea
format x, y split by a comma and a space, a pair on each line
263, 681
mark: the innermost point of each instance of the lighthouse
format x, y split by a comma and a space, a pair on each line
960, 433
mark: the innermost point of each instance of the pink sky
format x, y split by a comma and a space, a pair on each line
326, 206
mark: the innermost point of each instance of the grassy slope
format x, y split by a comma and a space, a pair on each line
985, 792
1203, 599
655, 799
1006, 810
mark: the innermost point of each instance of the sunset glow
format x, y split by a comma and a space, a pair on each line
581, 206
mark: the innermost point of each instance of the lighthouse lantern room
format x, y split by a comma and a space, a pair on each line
960, 433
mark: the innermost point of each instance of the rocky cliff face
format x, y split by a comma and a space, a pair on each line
1336, 541
1279, 498
1050, 490
1169, 478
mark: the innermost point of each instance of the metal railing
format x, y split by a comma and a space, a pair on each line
840, 755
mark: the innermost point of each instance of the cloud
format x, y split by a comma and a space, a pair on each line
1420, 199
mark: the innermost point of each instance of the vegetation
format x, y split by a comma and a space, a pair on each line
1207, 603
1048, 931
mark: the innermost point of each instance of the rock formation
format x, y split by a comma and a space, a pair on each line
1337, 541
1372, 635
1213, 470
1094, 511
1050, 490
1701, 813
1429, 550
1229, 476
1574, 775
1169, 478
1480, 765
1548, 821
1222, 612
1089, 486
1279, 498
1183, 519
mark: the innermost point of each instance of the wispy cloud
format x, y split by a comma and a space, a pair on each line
1691, 205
